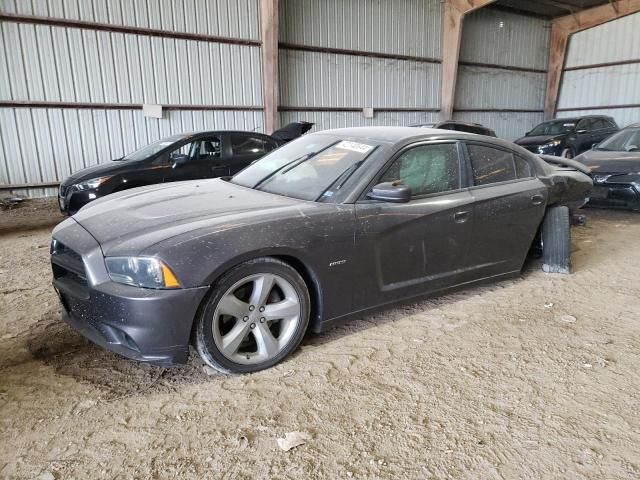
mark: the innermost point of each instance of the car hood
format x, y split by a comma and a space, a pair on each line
611, 162
132, 220
100, 170
538, 139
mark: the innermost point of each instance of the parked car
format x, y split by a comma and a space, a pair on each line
328, 227
568, 137
459, 127
186, 156
615, 169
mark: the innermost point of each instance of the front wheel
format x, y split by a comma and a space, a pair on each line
568, 153
255, 316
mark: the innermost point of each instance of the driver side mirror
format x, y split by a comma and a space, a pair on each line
394, 192
178, 160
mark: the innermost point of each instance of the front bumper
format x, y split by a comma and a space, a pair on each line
142, 324
619, 195
71, 200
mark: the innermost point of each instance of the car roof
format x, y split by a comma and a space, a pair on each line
211, 132
393, 135
383, 134
460, 122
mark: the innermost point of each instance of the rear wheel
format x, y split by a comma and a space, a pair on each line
256, 315
556, 241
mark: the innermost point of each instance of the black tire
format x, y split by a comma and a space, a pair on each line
556, 241
569, 153
204, 337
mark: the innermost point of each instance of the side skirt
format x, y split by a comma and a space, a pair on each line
333, 322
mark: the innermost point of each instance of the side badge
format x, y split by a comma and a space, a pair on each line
337, 262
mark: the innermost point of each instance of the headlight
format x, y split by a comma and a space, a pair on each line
552, 143
141, 272
92, 183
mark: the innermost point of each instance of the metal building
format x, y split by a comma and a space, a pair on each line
75, 74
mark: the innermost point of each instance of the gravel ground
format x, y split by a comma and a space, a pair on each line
531, 378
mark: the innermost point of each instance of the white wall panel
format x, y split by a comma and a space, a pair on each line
505, 38
330, 80
616, 85
407, 27
480, 87
614, 41
226, 18
73, 65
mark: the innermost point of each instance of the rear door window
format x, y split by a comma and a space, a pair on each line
491, 165
251, 145
209, 148
586, 124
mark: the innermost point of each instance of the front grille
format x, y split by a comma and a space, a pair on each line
62, 272
67, 263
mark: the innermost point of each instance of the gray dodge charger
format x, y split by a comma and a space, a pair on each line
330, 226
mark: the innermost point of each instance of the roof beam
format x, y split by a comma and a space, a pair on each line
563, 27
454, 12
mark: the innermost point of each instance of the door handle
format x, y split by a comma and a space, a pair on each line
537, 199
462, 216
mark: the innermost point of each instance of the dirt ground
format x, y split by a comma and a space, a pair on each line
532, 378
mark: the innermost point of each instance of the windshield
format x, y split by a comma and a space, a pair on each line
627, 140
310, 168
153, 148
556, 127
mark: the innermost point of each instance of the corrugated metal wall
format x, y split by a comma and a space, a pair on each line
492, 39
606, 86
226, 18
79, 65
336, 79
316, 79
410, 27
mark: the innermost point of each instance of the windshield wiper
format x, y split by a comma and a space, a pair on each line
296, 161
340, 181
293, 164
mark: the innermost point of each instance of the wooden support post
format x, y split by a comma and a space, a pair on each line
269, 28
454, 12
557, 53
563, 27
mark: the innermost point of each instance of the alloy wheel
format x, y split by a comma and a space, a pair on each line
256, 318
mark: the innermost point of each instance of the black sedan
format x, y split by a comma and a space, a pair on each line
328, 227
186, 156
615, 169
568, 137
